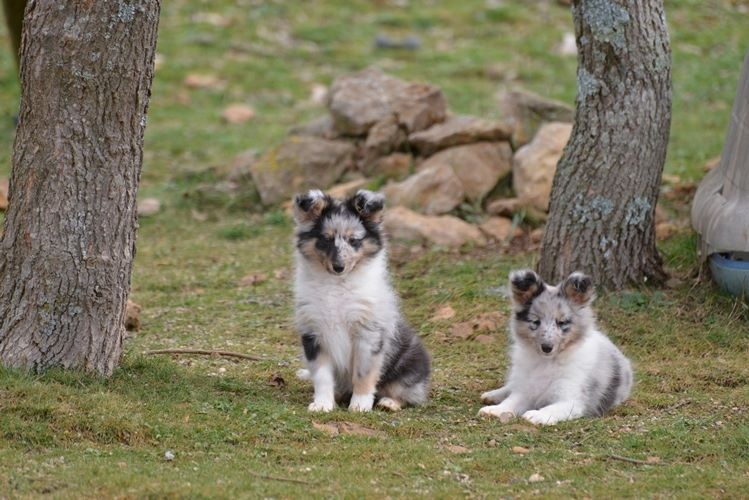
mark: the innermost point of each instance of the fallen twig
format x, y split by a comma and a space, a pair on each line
633, 460
206, 352
278, 478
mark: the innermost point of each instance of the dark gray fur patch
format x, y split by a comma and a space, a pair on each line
408, 363
311, 346
591, 391
608, 398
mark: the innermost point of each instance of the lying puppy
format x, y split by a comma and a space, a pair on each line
563, 367
357, 347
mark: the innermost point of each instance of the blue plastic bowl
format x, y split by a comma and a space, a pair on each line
730, 273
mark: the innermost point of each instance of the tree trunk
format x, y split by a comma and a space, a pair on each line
606, 186
67, 251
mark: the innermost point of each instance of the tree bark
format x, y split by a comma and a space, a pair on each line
67, 251
606, 186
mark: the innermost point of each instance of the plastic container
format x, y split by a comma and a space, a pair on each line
731, 272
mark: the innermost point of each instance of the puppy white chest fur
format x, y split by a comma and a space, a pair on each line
338, 307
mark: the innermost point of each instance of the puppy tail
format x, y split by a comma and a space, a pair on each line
303, 374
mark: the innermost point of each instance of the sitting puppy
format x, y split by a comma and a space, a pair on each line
356, 344
563, 367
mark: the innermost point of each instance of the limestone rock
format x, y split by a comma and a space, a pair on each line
433, 190
3, 194
385, 137
499, 229
446, 230
479, 166
132, 316
526, 112
148, 207
347, 189
457, 130
395, 166
360, 100
239, 169
321, 127
300, 163
504, 206
534, 164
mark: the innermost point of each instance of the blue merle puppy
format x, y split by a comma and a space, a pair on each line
357, 347
563, 366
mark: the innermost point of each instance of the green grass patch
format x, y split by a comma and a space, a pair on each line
234, 428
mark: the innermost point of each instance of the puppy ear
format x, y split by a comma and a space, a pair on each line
368, 205
579, 289
526, 285
309, 206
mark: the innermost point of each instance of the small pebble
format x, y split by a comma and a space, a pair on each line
169, 455
535, 478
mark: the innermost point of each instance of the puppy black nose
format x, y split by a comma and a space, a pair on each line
547, 348
337, 268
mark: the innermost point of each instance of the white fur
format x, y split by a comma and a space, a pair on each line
334, 305
548, 388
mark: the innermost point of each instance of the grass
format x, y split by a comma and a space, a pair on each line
235, 430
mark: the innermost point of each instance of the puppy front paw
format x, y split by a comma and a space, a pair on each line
540, 417
321, 406
361, 402
497, 411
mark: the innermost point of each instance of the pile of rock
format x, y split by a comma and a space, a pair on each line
382, 128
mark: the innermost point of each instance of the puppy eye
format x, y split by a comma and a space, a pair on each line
563, 323
534, 324
355, 242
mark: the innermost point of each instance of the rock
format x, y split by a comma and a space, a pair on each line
537, 235
3, 194
404, 224
457, 130
318, 94
508, 207
132, 316
396, 166
319, 127
239, 113
433, 190
298, 164
148, 207
348, 188
239, 169
203, 81
534, 164
535, 478
665, 230
660, 214
383, 138
410, 42
479, 166
360, 100
505, 206
500, 229
526, 111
